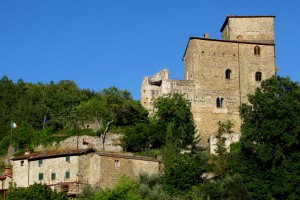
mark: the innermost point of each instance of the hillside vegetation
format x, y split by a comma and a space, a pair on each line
264, 164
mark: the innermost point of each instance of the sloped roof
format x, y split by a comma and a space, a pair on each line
53, 154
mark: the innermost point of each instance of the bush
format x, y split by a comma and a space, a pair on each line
125, 189
35, 192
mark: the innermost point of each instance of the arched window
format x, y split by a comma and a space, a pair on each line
256, 50
258, 76
220, 102
227, 73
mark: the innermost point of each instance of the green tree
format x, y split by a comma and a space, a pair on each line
35, 192
269, 157
126, 188
176, 110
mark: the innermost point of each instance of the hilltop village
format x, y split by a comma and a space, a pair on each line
229, 95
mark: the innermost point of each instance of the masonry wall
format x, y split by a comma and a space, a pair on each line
57, 165
20, 172
208, 61
254, 29
112, 168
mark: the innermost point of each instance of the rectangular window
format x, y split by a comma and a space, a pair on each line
22, 162
40, 162
117, 163
53, 176
68, 159
67, 175
41, 176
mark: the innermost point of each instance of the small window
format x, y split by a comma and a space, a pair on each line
22, 162
220, 102
68, 159
117, 163
40, 162
258, 76
53, 176
256, 50
67, 175
227, 73
41, 176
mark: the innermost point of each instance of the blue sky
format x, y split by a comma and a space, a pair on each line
99, 44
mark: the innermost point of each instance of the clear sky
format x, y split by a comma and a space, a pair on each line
98, 43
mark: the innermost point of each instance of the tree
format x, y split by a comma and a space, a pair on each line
269, 158
35, 191
176, 110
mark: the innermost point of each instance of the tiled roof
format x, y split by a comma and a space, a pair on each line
53, 154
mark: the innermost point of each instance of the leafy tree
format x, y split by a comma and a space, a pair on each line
269, 157
126, 188
176, 110
35, 192
219, 161
150, 187
185, 172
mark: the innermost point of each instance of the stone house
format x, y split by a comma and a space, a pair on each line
219, 73
71, 170
6, 180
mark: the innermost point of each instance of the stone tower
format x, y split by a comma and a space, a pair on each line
219, 73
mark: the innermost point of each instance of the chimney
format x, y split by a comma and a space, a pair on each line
206, 35
27, 152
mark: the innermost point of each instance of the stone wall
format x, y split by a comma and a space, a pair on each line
249, 28
112, 142
113, 167
230, 138
57, 165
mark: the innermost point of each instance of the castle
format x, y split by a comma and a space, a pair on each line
219, 73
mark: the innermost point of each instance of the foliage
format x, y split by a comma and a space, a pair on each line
176, 110
203, 191
34, 192
51, 112
269, 157
150, 187
173, 109
219, 162
88, 193
233, 188
185, 172
126, 188
170, 150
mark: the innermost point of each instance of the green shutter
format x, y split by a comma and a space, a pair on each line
40, 162
53, 176
68, 175
68, 159
41, 176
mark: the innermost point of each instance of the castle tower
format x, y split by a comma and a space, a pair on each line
220, 73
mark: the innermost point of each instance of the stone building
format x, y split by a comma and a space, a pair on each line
71, 170
6, 180
219, 73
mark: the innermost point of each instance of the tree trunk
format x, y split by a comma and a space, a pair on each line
105, 131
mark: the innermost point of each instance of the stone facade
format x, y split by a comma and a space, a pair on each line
220, 73
5, 181
72, 169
